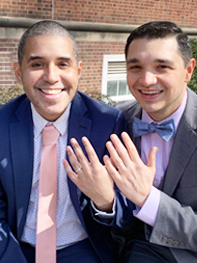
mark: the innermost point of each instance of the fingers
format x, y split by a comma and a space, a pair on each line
77, 157
126, 152
73, 176
119, 147
120, 153
132, 151
78, 151
116, 160
76, 160
90, 151
111, 169
152, 158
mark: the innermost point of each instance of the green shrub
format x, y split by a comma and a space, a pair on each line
193, 82
99, 96
10, 93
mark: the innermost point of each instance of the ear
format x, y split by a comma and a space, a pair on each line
190, 68
80, 64
17, 72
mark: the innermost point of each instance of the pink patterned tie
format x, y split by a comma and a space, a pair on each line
47, 201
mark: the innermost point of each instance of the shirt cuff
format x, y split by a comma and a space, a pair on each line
102, 214
148, 212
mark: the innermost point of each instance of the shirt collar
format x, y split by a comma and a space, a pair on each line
61, 124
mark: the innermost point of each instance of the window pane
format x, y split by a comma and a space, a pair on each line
122, 87
112, 88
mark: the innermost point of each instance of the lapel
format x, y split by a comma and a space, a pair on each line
136, 111
79, 123
21, 143
185, 143
79, 126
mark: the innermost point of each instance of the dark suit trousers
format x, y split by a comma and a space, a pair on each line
139, 250
82, 252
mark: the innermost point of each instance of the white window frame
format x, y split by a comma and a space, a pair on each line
105, 77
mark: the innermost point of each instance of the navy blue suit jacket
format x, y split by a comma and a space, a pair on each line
89, 118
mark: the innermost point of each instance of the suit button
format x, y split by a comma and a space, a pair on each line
169, 241
164, 240
175, 243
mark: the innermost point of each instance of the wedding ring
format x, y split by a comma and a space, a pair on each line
78, 169
121, 165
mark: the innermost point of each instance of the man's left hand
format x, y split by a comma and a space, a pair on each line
90, 176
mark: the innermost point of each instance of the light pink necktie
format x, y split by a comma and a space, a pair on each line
47, 200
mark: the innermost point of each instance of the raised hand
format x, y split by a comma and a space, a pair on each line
131, 175
90, 176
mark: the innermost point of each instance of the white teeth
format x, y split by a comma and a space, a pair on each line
151, 92
51, 91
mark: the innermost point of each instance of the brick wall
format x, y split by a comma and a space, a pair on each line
26, 8
8, 51
181, 12
135, 12
91, 54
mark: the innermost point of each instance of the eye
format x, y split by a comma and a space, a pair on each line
133, 67
63, 64
163, 66
37, 64
136, 66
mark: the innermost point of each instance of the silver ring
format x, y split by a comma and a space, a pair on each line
78, 169
121, 165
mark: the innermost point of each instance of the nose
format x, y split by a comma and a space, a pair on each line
147, 79
51, 74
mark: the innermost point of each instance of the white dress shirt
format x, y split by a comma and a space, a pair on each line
69, 228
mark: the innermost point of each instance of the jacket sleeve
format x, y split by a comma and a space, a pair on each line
9, 247
175, 226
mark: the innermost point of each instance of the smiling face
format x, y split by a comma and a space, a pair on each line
157, 76
49, 74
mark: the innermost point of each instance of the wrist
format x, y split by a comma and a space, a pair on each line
106, 206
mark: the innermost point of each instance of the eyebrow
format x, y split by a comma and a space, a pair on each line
133, 60
32, 58
162, 61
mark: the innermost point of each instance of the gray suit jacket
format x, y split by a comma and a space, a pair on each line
176, 223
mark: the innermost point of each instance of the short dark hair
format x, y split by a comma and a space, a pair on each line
45, 27
162, 29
